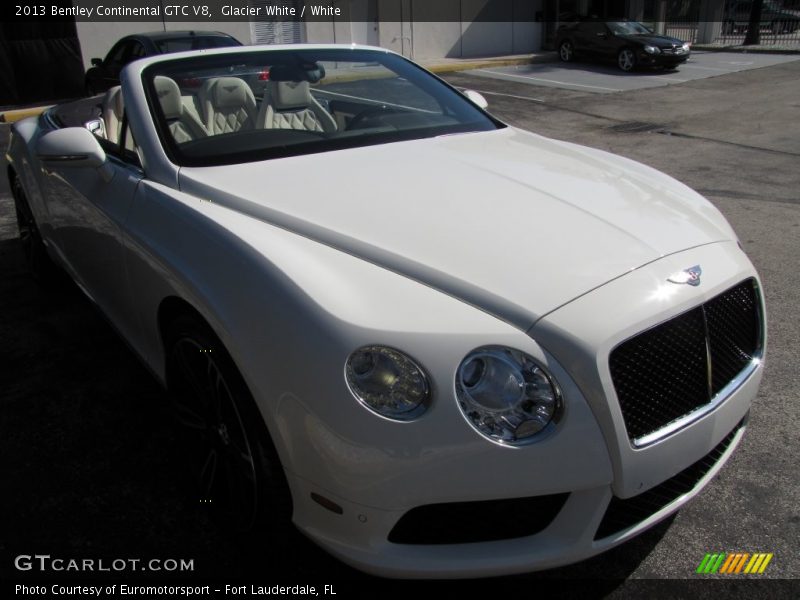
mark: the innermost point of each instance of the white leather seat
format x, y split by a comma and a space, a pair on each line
112, 111
228, 105
183, 125
290, 105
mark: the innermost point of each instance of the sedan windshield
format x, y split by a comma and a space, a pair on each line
628, 28
195, 42
238, 107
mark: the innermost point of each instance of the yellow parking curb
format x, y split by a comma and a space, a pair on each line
10, 116
479, 64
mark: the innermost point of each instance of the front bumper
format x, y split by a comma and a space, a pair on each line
662, 60
359, 538
589, 458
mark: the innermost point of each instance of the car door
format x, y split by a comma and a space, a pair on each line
602, 40
92, 206
580, 37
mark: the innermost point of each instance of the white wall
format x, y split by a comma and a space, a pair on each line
414, 39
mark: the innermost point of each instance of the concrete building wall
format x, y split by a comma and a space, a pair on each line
420, 34
422, 31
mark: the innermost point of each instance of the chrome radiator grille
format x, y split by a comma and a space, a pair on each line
682, 365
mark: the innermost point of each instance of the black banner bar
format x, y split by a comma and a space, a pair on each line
211, 11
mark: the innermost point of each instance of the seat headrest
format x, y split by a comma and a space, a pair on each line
169, 96
230, 92
113, 101
288, 95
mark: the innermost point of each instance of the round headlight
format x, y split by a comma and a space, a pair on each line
506, 395
687, 46
652, 50
388, 382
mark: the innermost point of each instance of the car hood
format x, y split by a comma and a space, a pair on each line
660, 41
508, 221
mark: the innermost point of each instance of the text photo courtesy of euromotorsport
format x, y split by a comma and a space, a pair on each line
172, 590
177, 11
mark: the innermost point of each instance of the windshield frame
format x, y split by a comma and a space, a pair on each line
403, 67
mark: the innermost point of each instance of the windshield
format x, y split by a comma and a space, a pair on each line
195, 42
628, 28
242, 107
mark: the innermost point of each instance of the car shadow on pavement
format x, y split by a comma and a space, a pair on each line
595, 66
94, 466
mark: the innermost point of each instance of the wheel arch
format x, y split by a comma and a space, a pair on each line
173, 307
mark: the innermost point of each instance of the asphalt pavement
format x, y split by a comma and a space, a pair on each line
603, 77
92, 466
736, 139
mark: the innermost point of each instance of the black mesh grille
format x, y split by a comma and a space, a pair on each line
733, 331
481, 521
663, 374
622, 514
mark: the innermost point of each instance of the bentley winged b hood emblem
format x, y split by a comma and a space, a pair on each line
690, 276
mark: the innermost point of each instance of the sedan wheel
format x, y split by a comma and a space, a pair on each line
239, 474
626, 59
566, 51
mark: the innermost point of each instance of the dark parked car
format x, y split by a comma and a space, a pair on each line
630, 43
773, 17
104, 74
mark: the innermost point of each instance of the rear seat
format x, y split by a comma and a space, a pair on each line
183, 124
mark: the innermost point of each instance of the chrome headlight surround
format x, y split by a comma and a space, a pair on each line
388, 382
506, 395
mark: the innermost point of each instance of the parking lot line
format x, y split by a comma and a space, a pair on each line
690, 66
508, 95
556, 82
662, 78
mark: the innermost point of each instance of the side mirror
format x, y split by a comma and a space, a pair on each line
96, 62
70, 147
476, 99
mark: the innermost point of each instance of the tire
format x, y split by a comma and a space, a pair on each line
239, 474
36, 257
626, 59
566, 51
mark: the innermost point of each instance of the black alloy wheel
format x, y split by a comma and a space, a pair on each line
626, 59
566, 51
238, 470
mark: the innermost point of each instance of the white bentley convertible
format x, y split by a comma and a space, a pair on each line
441, 345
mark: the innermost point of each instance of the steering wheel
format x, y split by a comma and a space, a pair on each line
372, 112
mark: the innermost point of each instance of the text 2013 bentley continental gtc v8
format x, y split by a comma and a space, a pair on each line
446, 347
